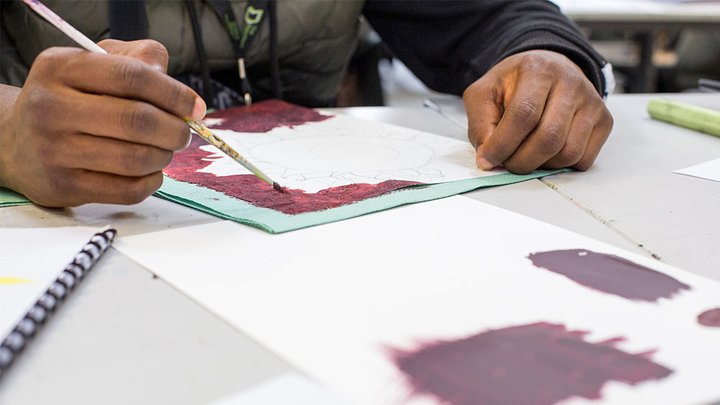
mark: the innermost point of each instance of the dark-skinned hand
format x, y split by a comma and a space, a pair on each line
90, 127
536, 109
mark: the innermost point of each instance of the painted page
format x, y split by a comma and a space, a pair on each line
708, 170
32, 259
332, 167
454, 302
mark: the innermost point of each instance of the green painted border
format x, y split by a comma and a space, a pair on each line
9, 198
223, 206
226, 207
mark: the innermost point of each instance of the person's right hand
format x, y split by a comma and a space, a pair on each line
90, 127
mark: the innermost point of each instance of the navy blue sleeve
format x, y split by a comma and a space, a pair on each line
450, 44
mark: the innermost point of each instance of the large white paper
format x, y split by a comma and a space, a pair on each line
708, 170
32, 258
344, 150
286, 389
332, 299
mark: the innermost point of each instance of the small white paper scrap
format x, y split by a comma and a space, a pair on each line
708, 170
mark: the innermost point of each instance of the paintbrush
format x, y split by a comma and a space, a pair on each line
199, 128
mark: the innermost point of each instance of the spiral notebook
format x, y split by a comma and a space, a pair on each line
39, 268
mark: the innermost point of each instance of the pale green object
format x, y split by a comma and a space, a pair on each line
685, 115
272, 221
226, 207
9, 198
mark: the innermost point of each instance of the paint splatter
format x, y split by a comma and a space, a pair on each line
263, 117
13, 280
538, 363
710, 318
186, 164
609, 273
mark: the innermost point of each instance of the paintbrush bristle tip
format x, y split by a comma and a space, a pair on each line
278, 187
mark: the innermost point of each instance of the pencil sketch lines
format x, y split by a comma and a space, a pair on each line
344, 151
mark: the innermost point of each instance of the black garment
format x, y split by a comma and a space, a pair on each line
128, 19
450, 44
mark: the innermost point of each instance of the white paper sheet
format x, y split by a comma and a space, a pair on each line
345, 150
331, 299
708, 170
287, 389
32, 258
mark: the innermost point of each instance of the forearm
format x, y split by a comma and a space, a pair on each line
450, 44
548, 29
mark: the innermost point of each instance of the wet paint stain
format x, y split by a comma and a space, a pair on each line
263, 117
609, 274
13, 280
186, 164
539, 363
710, 318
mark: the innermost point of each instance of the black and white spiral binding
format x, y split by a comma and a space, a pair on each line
80, 266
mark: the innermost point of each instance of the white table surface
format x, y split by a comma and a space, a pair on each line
126, 337
640, 10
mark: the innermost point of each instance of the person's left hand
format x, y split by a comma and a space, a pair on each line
536, 109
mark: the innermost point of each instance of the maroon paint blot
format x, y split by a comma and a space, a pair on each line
265, 116
185, 165
538, 363
710, 318
609, 273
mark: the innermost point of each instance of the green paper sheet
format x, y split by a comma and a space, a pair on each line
9, 198
226, 207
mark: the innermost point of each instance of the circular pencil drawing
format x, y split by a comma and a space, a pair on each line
342, 151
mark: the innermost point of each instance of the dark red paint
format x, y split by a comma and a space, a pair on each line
186, 163
539, 363
710, 318
610, 274
265, 116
